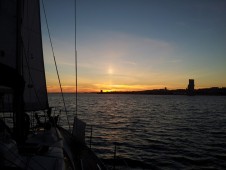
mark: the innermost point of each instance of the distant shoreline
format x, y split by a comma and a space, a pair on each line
213, 91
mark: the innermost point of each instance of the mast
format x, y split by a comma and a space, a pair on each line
18, 103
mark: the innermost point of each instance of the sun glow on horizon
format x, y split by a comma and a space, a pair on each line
110, 71
114, 88
103, 87
156, 67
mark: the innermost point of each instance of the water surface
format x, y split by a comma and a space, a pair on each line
163, 132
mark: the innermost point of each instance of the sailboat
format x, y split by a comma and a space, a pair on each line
30, 135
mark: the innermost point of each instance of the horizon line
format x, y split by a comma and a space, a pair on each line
126, 91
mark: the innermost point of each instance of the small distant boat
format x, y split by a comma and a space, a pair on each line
34, 140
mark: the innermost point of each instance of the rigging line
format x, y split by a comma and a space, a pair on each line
76, 65
55, 64
29, 39
28, 44
30, 76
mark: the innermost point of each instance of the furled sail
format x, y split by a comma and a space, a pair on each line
35, 93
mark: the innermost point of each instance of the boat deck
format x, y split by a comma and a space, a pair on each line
83, 156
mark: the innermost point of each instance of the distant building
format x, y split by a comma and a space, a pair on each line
191, 87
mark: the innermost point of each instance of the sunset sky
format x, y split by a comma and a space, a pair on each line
126, 45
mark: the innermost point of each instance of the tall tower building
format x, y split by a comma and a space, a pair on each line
191, 87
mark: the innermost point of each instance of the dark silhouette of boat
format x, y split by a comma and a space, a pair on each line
31, 137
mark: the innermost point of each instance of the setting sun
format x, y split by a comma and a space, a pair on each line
110, 70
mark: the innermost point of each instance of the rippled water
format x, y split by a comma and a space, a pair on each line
159, 132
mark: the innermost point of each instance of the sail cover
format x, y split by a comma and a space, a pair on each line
35, 93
